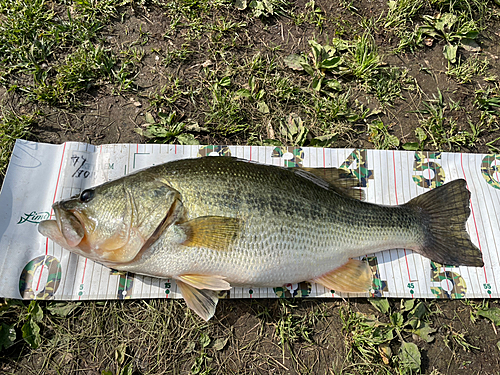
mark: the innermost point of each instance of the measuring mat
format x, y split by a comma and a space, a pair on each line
33, 267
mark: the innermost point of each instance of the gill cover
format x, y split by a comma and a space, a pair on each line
112, 222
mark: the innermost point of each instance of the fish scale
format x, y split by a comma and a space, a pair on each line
212, 223
293, 230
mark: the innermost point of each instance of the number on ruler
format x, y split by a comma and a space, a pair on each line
167, 286
361, 172
487, 287
423, 164
490, 169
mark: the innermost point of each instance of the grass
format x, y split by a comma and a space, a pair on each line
245, 72
12, 127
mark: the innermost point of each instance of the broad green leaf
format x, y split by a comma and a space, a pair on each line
316, 83
262, 107
149, 118
419, 311
295, 62
204, 340
470, 45
381, 304
323, 140
187, 139
411, 146
425, 331
106, 372
316, 50
409, 356
308, 68
492, 313
120, 353
301, 138
397, 319
392, 141
340, 44
128, 369
450, 52
31, 333
294, 122
243, 93
407, 304
333, 84
241, 4
7, 336
330, 63
35, 312
225, 82
420, 133
220, 343
383, 333
62, 309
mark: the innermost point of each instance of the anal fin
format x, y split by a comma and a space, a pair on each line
353, 277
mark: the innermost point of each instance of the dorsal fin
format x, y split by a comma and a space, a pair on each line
336, 179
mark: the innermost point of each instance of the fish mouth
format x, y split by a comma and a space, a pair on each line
66, 230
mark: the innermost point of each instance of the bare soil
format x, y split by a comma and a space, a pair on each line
253, 346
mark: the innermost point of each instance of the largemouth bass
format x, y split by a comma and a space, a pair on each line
215, 222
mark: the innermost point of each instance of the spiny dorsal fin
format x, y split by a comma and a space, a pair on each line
336, 179
213, 232
353, 277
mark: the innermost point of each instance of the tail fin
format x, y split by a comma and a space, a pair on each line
445, 211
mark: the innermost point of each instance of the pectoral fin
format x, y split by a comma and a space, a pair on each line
213, 232
202, 301
205, 282
353, 277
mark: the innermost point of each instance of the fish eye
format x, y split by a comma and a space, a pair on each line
87, 195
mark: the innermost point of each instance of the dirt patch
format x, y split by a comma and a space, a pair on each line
214, 65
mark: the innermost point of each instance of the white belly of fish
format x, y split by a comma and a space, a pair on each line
266, 255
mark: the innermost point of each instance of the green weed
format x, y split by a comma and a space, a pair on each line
81, 70
401, 12
488, 100
13, 126
371, 339
465, 71
264, 8
388, 84
169, 129
380, 137
439, 127
324, 59
32, 39
454, 30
